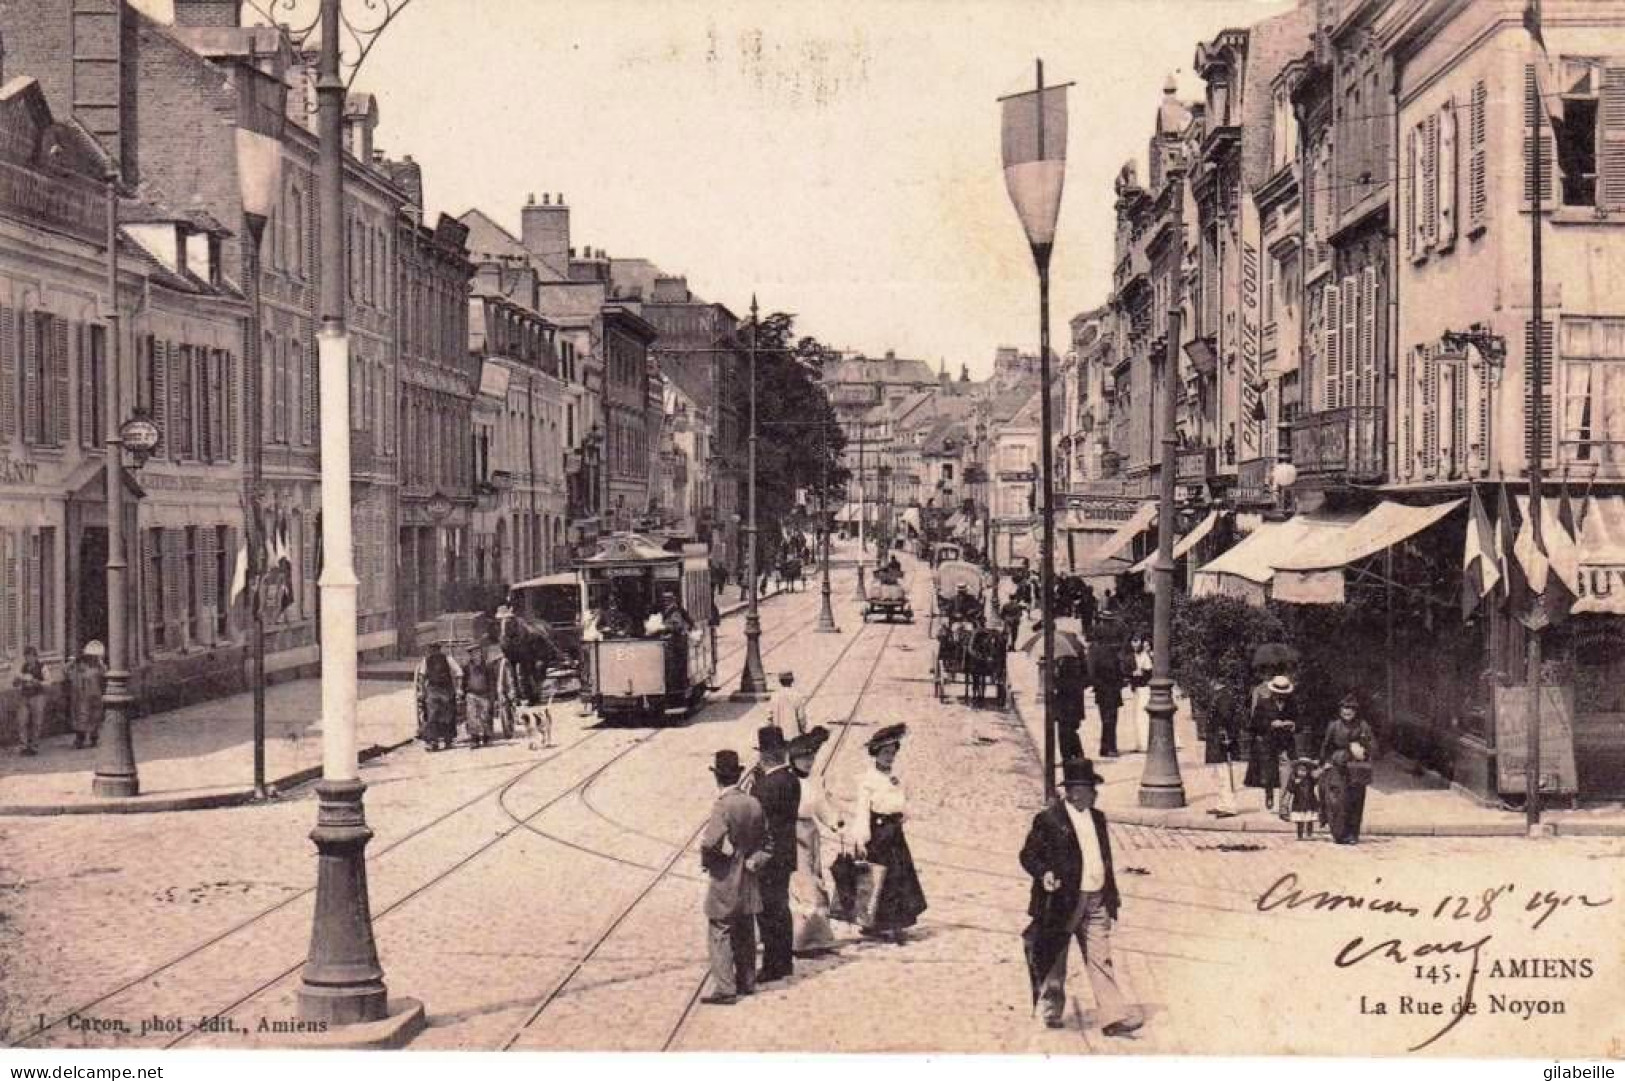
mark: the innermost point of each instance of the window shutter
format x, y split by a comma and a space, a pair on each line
30, 590
233, 403
208, 587
310, 217
158, 353
202, 378
1332, 329
309, 571
1409, 407
1458, 419
32, 394
1353, 346
1477, 408
13, 609
1430, 412
1413, 174
87, 386
57, 431
1365, 383
1548, 145
1548, 381
1611, 139
174, 566
309, 376
1478, 207
1447, 175
8, 373
1430, 180
152, 591
230, 617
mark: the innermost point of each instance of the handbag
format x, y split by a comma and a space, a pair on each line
843, 904
871, 879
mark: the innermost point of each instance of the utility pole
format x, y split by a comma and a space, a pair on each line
752, 680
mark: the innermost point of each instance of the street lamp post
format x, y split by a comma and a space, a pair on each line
826, 613
1160, 784
863, 510
1034, 139
752, 680
343, 982
116, 774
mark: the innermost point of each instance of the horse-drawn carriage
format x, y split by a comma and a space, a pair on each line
888, 598
969, 653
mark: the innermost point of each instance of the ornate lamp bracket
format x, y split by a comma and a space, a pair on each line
361, 22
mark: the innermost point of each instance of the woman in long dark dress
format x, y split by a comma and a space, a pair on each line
877, 832
1273, 725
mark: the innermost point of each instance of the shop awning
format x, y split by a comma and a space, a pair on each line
1247, 570
1602, 557
849, 513
1186, 543
1114, 545
1313, 573
911, 518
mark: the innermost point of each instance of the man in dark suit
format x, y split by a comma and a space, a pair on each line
732, 853
1074, 895
1107, 677
778, 789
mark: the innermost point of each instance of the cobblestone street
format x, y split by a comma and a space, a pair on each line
550, 900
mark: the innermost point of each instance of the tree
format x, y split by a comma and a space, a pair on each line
799, 442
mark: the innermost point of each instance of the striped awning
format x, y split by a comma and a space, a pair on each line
1313, 573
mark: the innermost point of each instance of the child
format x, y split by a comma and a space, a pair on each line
1302, 802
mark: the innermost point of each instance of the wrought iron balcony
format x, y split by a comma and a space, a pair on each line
1347, 442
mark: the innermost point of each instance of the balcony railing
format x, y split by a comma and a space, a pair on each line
1346, 441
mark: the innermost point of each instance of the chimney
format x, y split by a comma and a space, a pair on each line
207, 12
545, 233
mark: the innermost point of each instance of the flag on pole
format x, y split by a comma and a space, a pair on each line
1547, 75
1481, 571
1033, 136
1514, 588
239, 570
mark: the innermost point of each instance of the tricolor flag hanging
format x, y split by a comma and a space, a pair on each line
1514, 588
1481, 571
239, 569
1034, 141
1551, 561
1548, 83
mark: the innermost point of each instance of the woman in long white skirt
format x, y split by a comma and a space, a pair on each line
1139, 680
809, 900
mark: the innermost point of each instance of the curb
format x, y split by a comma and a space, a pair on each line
235, 797
1186, 819
204, 801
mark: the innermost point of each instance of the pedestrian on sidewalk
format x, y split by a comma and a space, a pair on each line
1346, 729
1273, 724
809, 900
1334, 796
1106, 675
1068, 853
88, 679
775, 786
1221, 737
877, 836
435, 686
1301, 800
789, 707
1139, 664
30, 682
1359, 774
479, 693
1071, 676
732, 852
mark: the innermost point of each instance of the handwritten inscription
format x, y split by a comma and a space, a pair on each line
1449, 958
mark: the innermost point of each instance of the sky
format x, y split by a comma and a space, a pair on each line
838, 159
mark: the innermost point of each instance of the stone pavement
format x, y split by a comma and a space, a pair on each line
203, 755
1401, 800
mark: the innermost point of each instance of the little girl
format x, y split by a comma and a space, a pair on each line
1301, 802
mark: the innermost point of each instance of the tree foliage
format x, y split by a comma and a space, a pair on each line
799, 442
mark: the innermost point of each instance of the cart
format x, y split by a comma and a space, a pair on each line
888, 599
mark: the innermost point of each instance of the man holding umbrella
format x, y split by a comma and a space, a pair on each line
1074, 895
1071, 678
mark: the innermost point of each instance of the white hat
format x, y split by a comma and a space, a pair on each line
94, 648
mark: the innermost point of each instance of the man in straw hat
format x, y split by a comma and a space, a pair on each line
732, 852
778, 789
789, 707
1074, 895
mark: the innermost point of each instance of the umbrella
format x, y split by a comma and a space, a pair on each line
1067, 644
1042, 949
1274, 653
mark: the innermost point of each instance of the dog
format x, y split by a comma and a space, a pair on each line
537, 721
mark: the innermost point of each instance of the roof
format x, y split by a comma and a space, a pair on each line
889, 369
629, 548
562, 578
945, 428
487, 238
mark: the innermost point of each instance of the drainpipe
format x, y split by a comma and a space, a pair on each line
1391, 380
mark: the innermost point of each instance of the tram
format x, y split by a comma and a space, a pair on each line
633, 663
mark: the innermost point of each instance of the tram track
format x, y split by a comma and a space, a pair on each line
375, 859
662, 873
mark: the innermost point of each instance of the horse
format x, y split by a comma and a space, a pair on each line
530, 648
790, 573
984, 652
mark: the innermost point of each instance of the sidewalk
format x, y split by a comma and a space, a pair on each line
203, 755
1399, 802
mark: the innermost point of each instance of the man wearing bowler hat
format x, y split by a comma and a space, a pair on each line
732, 853
778, 789
1074, 895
